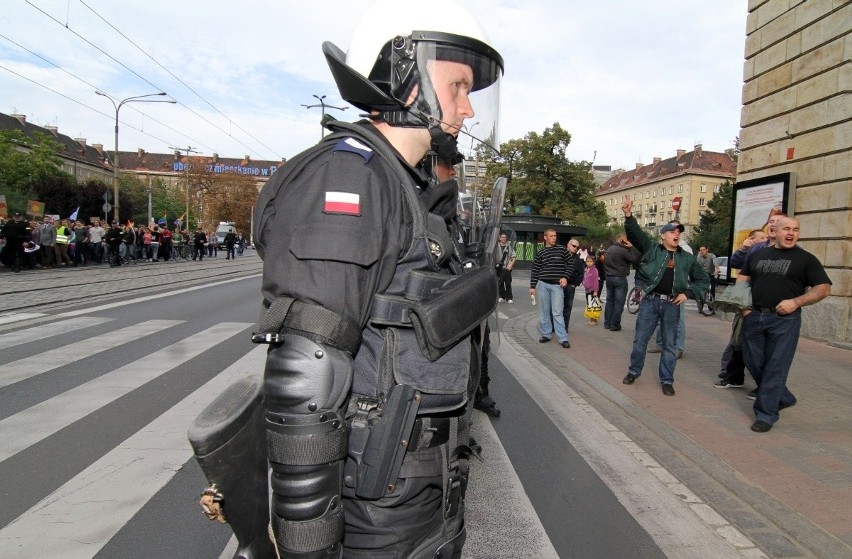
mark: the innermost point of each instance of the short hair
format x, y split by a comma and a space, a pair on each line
620, 236
754, 232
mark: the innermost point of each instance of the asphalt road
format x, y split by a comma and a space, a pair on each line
95, 399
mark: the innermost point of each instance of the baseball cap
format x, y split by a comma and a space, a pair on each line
671, 227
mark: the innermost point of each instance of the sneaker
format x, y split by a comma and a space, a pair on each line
761, 426
543, 340
679, 354
752, 395
668, 390
566, 345
510, 301
655, 349
501, 300
629, 379
725, 383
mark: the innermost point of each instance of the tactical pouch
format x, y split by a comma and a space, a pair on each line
445, 315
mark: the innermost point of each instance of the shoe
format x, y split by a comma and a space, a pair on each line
615, 329
725, 383
488, 407
629, 379
510, 301
761, 426
566, 345
679, 354
668, 390
752, 395
655, 349
783, 406
501, 300
543, 340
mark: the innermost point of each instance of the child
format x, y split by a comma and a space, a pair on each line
590, 282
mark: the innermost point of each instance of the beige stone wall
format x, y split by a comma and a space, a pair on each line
797, 118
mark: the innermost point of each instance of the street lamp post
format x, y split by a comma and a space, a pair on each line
135, 99
323, 104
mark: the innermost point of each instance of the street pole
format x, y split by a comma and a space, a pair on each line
135, 99
188, 150
323, 104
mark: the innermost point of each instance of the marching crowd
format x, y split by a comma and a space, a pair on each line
70, 242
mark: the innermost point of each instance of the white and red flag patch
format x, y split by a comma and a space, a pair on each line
344, 203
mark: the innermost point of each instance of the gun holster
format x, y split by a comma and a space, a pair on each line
378, 438
229, 442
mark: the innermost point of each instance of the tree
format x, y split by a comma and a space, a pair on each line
714, 226
541, 176
219, 197
26, 164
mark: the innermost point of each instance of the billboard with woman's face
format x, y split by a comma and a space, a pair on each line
756, 201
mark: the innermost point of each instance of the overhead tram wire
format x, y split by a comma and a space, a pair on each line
172, 74
94, 87
158, 88
79, 102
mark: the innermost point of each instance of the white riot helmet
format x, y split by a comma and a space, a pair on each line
387, 62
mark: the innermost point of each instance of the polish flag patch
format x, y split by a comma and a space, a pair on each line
342, 203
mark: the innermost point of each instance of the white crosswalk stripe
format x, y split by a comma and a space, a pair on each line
28, 367
42, 420
91, 508
37, 333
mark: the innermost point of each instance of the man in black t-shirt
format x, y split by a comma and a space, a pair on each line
783, 279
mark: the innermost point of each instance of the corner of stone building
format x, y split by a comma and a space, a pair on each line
830, 321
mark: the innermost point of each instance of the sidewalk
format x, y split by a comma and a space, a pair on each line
795, 480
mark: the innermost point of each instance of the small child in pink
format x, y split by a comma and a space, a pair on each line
590, 283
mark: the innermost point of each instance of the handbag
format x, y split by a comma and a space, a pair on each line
593, 309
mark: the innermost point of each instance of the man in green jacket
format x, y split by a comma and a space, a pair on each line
669, 276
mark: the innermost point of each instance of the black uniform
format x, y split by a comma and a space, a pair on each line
339, 233
16, 234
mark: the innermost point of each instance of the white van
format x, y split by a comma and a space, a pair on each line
223, 229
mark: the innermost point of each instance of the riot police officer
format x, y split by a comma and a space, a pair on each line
368, 315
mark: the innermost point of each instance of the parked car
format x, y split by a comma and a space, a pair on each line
722, 262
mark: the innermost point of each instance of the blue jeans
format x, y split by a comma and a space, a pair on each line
568, 304
652, 311
769, 343
616, 295
550, 304
680, 342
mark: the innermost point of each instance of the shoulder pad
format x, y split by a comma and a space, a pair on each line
354, 146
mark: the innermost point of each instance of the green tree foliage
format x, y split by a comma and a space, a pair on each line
28, 164
714, 227
541, 176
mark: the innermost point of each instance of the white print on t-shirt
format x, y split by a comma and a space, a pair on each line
779, 267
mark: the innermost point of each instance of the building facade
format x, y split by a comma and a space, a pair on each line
79, 159
679, 188
797, 118
172, 167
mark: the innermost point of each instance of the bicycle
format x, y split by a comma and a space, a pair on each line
180, 252
708, 303
634, 298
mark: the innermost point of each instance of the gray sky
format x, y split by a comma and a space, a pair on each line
629, 79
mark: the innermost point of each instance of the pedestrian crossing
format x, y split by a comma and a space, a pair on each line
79, 517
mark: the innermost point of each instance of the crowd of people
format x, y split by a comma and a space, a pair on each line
53, 243
776, 279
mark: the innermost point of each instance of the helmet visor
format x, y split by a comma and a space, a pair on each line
460, 84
